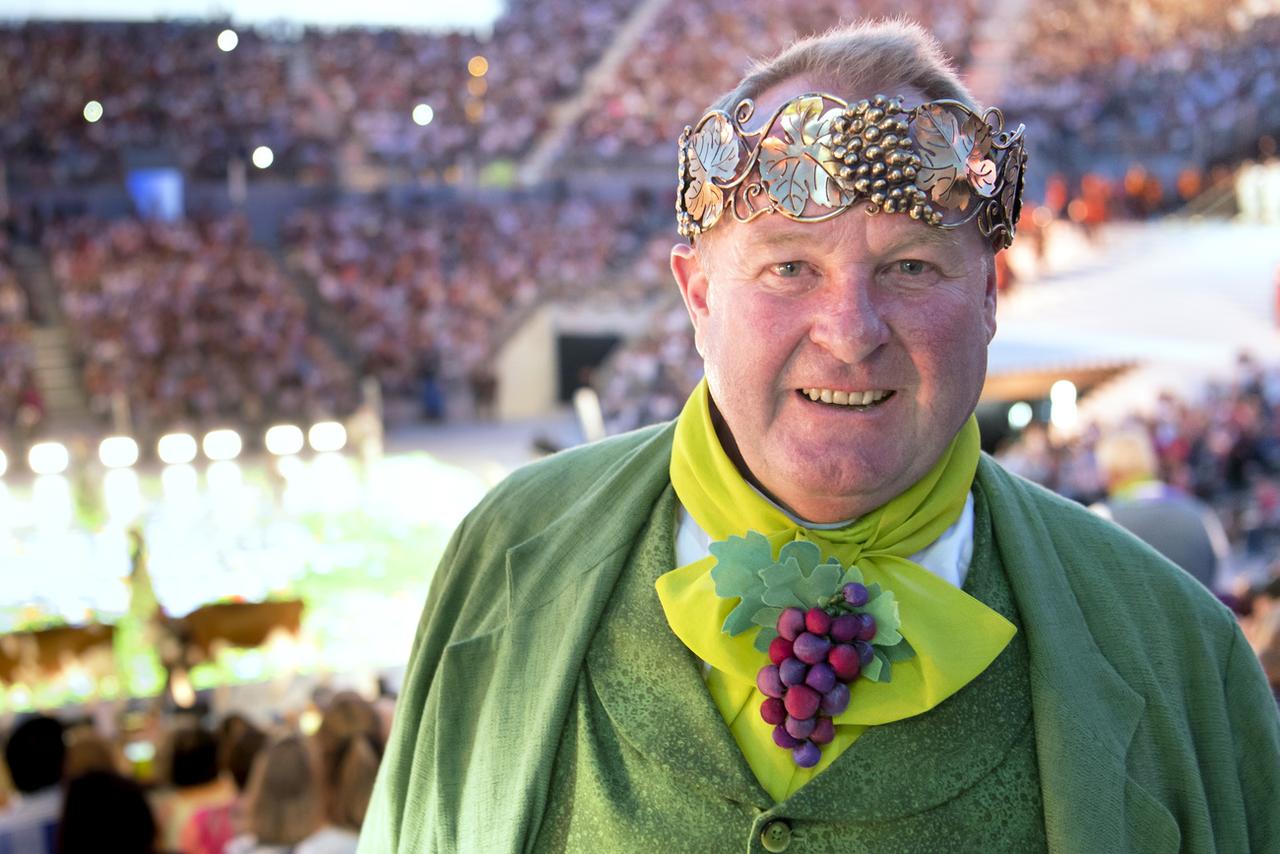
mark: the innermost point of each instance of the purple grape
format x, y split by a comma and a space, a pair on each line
800, 727
824, 731
783, 739
865, 652
791, 623
866, 627
817, 621
834, 701
802, 701
772, 711
806, 755
855, 594
792, 672
769, 682
843, 659
779, 650
844, 628
811, 648
821, 677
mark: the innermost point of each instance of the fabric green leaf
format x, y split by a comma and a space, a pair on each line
901, 651
807, 554
874, 669
789, 586
884, 607
766, 618
737, 573
884, 672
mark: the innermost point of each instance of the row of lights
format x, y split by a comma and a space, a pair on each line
422, 114
118, 452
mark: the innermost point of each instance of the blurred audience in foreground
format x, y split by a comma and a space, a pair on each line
233, 790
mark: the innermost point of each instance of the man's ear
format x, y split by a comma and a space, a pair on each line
989, 300
691, 277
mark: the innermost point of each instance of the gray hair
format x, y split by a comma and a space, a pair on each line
856, 58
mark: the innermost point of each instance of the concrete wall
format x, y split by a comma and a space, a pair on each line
526, 369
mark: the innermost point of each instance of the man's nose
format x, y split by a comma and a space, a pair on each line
849, 323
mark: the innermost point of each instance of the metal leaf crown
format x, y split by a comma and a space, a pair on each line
940, 163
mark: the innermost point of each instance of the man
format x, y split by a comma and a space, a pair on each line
1180, 527
589, 673
33, 753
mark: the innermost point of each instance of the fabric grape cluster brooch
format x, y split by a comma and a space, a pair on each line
821, 626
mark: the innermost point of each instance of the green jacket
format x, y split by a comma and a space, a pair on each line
1155, 729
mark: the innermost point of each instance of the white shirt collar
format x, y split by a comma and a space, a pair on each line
947, 557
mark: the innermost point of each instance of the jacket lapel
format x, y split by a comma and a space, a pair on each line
1085, 713
504, 694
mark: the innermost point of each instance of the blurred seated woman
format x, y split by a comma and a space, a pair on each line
284, 803
350, 740
211, 828
194, 782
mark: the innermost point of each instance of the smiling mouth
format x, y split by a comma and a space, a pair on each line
846, 399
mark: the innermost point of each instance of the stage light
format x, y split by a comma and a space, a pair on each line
284, 439
227, 41
477, 87
48, 458
176, 448
92, 112
478, 66
475, 111
423, 114
118, 452
1063, 413
327, 436
263, 157
4, 463
222, 444
1020, 415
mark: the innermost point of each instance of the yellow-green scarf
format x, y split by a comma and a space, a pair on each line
954, 635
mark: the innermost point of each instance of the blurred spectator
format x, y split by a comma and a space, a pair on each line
1184, 530
105, 811
87, 751
34, 754
193, 781
351, 741
285, 799
212, 828
1261, 626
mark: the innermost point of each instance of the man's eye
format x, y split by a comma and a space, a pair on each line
912, 267
788, 269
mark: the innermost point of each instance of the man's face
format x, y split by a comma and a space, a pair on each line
855, 305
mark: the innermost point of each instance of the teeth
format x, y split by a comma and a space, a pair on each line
844, 398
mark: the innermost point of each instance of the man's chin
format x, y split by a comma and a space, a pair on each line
844, 482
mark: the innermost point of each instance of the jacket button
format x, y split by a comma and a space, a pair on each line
776, 836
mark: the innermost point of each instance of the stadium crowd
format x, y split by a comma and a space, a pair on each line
325, 102
189, 321
20, 406
434, 288
678, 68
1200, 97
234, 789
